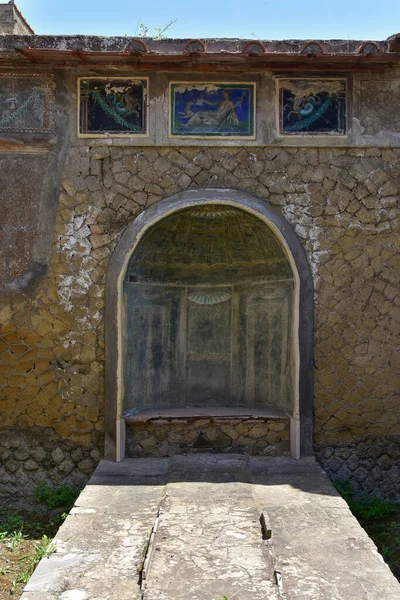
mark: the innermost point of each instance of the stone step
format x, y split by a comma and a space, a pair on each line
188, 527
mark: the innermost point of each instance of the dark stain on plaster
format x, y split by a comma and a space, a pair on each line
28, 280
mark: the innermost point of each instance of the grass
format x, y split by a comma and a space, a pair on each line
12, 540
366, 508
380, 519
24, 540
41, 549
26, 536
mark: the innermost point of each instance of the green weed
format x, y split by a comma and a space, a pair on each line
344, 488
14, 539
11, 531
27, 535
380, 519
33, 524
8, 523
371, 508
366, 508
56, 496
42, 549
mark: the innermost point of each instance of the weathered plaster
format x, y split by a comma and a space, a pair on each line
39, 187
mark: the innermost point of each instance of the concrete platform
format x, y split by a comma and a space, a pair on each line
188, 528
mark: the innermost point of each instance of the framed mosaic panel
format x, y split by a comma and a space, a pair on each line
219, 110
26, 103
112, 107
312, 106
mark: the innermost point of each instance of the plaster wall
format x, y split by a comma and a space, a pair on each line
12, 22
341, 199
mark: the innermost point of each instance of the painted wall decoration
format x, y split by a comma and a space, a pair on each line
312, 106
201, 110
112, 107
26, 103
209, 314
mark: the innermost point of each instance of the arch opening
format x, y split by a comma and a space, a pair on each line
209, 311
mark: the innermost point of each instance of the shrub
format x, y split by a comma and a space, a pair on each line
56, 496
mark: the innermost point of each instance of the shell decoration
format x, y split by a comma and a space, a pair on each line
199, 298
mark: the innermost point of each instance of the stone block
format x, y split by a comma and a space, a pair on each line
150, 442
86, 466
22, 454
38, 453
57, 455
30, 465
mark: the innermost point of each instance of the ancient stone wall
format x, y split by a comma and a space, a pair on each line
372, 464
6, 19
29, 456
341, 202
167, 437
343, 205
12, 22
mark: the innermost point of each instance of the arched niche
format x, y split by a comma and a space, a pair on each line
209, 306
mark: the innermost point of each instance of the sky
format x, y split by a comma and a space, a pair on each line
258, 19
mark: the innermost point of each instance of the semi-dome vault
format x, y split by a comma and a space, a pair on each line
209, 244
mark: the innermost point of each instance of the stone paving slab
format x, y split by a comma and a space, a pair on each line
209, 545
187, 527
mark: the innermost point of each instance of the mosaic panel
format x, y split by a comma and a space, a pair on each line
312, 106
112, 107
26, 103
202, 110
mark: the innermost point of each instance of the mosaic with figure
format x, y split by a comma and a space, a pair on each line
26, 103
113, 106
212, 110
313, 106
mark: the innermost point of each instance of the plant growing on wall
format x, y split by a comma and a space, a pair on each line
142, 30
159, 32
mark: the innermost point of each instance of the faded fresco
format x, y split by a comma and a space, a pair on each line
312, 106
26, 103
209, 307
212, 110
113, 106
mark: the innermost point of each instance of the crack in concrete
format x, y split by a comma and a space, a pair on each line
279, 583
148, 550
266, 534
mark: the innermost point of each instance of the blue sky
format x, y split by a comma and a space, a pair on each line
260, 19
